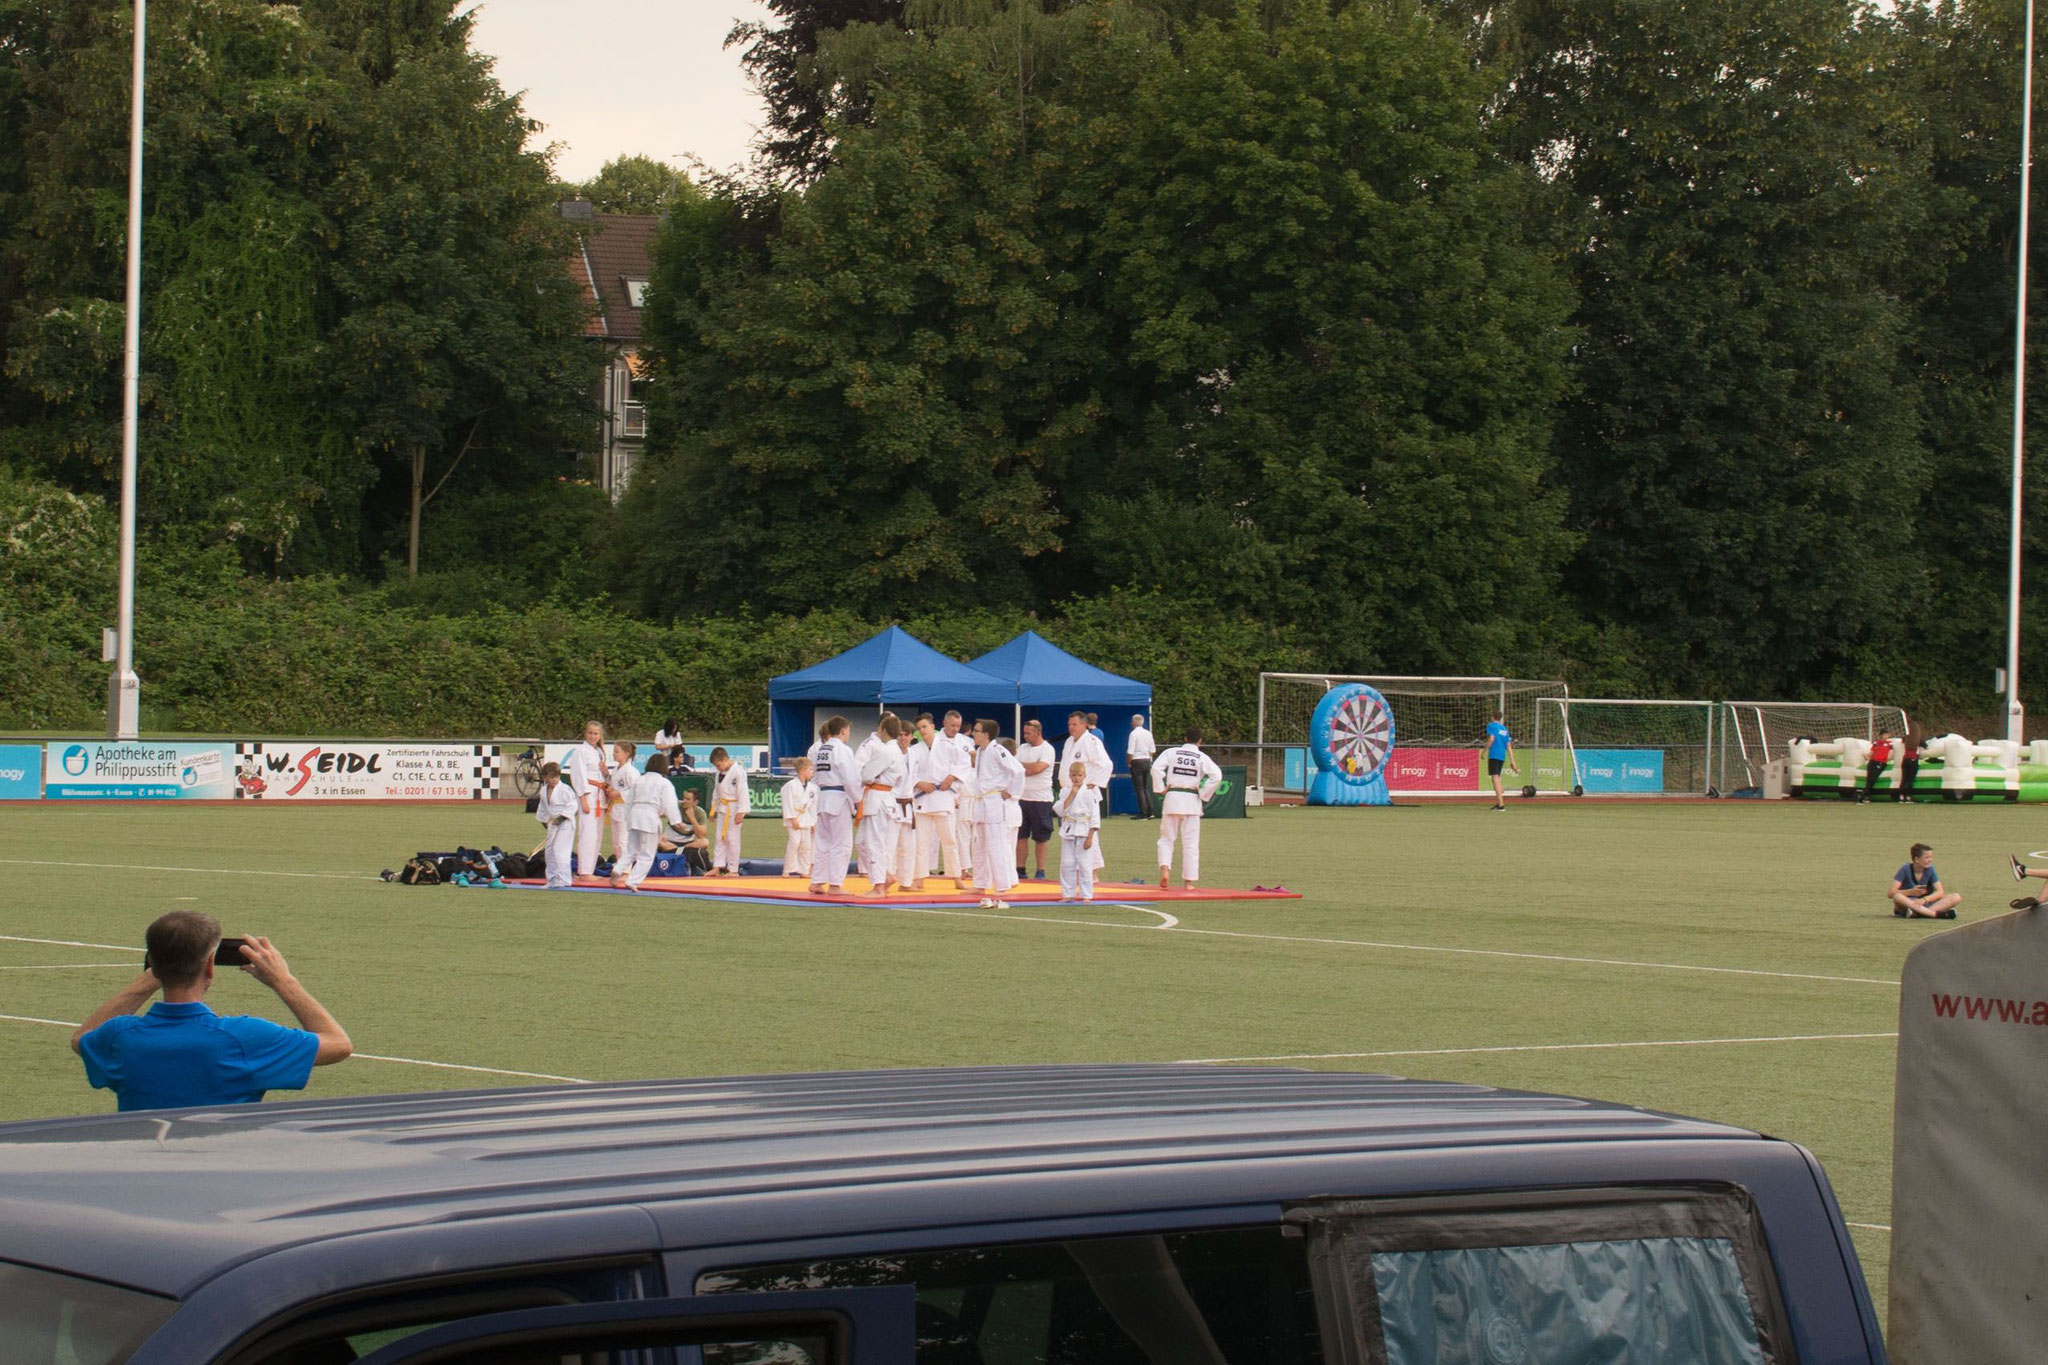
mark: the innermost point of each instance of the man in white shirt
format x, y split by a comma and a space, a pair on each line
838, 788
589, 777
1138, 751
998, 777
1083, 747
937, 778
1187, 778
1035, 804
651, 808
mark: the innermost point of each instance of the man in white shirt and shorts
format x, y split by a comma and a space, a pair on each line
1035, 804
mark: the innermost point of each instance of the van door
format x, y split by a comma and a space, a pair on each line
836, 1327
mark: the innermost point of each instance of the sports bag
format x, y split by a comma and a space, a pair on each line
419, 872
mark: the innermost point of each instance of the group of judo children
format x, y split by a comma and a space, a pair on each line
911, 801
914, 800
580, 798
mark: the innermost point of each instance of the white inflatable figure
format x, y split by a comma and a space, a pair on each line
1855, 756
2037, 753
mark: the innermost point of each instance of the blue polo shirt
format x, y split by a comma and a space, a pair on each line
1496, 739
179, 1055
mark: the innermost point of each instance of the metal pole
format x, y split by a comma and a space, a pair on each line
2015, 714
123, 688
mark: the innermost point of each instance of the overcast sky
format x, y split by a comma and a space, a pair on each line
608, 77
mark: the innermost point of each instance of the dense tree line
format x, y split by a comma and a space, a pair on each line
1665, 346
1662, 342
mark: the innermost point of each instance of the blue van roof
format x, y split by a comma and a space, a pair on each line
163, 1201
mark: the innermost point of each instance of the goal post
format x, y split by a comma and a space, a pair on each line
1605, 746
1439, 727
1751, 734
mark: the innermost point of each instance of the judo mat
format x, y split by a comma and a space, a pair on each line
796, 891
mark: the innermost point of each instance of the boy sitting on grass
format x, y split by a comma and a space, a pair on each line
1917, 892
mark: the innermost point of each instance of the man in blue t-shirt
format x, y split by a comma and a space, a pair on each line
1500, 752
181, 1053
1916, 890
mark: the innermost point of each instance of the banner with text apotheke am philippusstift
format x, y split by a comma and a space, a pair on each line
268, 770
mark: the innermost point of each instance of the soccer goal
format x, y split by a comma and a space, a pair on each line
1750, 734
1598, 746
1439, 727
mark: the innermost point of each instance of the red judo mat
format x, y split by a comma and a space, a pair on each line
795, 890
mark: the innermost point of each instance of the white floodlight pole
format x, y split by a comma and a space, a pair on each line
2015, 714
123, 688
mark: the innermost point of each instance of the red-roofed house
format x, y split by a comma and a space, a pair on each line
614, 264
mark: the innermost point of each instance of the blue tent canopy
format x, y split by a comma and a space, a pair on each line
894, 669
1051, 682
1046, 675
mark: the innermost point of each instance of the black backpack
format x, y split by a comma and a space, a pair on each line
419, 872
512, 866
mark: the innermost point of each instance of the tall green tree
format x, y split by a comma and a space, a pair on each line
637, 184
1742, 450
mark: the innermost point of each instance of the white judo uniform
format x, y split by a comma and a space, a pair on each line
557, 815
1086, 748
1080, 813
651, 807
728, 809
960, 747
800, 819
838, 783
1187, 778
938, 810
903, 863
618, 789
998, 781
588, 774
879, 777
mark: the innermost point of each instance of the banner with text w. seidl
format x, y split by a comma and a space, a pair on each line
342, 770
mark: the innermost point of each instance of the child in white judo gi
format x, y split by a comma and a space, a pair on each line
728, 809
555, 808
1187, 778
620, 784
799, 819
998, 778
838, 784
651, 811
879, 776
1080, 812
904, 871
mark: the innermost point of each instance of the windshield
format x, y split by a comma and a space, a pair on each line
52, 1319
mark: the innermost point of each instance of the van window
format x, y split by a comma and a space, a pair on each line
52, 1319
1679, 1276
1234, 1297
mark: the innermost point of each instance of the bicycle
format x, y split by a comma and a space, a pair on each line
526, 771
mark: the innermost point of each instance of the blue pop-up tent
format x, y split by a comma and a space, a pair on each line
1051, 682
893, 671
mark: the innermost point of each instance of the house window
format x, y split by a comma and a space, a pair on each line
636, 293
633, 420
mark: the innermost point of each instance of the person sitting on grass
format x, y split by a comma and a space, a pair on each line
1917, 892
697, 848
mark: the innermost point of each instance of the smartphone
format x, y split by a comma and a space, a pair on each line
228, 954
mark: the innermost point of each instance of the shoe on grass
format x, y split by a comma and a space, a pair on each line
2027, 903
2019, 869
1900, 911
1949, 913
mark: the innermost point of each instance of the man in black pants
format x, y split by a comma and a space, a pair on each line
1138, 751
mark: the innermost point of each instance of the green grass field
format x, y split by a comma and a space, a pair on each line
1731, 961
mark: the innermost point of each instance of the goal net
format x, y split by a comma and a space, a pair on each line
1621, 747
1749, 734
1439, 728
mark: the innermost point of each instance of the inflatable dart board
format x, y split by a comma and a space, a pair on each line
1351, 737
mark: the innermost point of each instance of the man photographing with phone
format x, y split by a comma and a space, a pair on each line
181, 1053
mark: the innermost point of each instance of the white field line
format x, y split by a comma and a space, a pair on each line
1381, 945
209, 871
72, 943
363, 1056
1534, 1047
1872, 1227
66, 966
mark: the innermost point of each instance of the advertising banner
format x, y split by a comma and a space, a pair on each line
130, 770
342, 770
1434, 770
21, 772
1621, 770
1970, 1104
